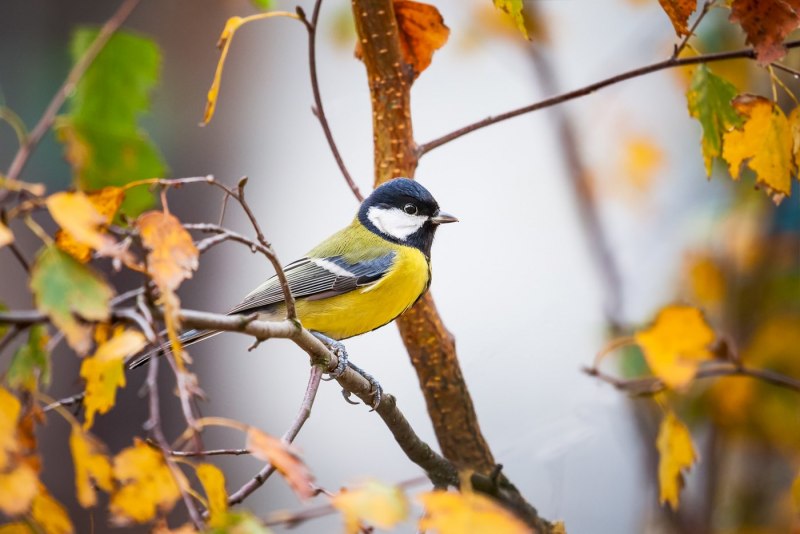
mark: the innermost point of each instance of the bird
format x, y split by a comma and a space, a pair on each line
359, 279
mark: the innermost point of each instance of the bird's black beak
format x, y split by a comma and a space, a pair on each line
442, 217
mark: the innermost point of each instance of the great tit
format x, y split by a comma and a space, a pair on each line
360, 278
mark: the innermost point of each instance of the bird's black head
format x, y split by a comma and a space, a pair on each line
404, 212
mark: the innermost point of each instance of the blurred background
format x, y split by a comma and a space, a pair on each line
517, 281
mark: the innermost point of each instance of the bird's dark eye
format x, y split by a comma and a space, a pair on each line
411, 209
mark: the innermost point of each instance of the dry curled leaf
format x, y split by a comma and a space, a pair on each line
676, 343
284, 458
764, 141
679, 12
374, 503
676, 456
92, 466
146, 485
766, 23
104, 371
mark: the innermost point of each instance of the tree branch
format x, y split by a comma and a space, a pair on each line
745, 53
318, 110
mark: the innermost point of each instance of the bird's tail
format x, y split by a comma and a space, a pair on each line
187, 338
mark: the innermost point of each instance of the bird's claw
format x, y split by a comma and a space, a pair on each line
375, 386
338, 349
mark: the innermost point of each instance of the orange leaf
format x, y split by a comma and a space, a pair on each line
285, 460
104, 371
675, 344
50, 514
77, 216
91, 464
172, 256
448, 512
766, 23
6, 236
146, 485
679, 12
676, 455
374, 503
422, 32
765, 141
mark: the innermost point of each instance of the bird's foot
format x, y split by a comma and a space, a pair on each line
337, 348
375, 389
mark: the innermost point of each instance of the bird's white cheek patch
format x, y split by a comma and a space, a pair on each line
395, 222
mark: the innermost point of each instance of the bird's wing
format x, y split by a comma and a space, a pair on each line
318, 278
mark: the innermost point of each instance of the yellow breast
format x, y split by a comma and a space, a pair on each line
372, 306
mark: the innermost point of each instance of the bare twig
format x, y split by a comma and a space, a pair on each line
745, 53
703, 12
651, 385
318, 110
11, 336
212, 452
302, 415
46, 121
788, 70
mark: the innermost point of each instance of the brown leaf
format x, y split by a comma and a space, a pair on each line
422, 32
679, 12
766, 23
285, 460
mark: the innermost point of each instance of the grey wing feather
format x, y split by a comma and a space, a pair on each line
317, 278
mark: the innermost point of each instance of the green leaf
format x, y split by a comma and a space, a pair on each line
31, 363
709, 100
514, 10
101, 133
3, 327
63, 288
263, 5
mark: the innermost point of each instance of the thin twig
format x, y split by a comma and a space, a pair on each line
66, 401
46, 121
318, 110
704, 11
651, 385
11, 336
788, 70
745, 53
211, 452
302, 415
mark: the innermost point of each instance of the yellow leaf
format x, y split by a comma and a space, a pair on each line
10, 409
374, 503
422, 32
796, 492
676, 455
18, 487
161, 527
105, 203
6, 236
676, 343
285, 460
514, 9
765, 141
643, 158
77, 216
213, 482
706, 280
104, 372
16, 528
50, 514
90, 465
449, 512
146, 485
